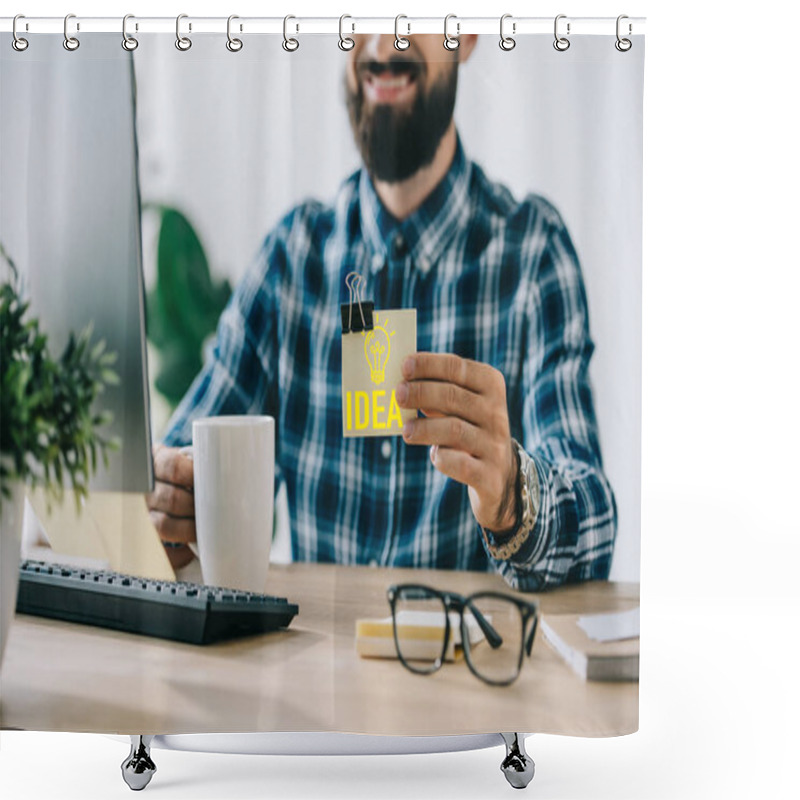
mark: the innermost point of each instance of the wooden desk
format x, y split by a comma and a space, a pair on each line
60, 676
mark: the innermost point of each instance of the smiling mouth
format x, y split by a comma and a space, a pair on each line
389, 83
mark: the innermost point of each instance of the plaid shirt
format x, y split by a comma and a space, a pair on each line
492, 280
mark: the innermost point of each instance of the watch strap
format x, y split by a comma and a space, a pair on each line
504, 545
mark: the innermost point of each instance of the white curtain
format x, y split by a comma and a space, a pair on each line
216, 140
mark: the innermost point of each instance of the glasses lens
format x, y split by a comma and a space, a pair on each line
495, 635
419, 625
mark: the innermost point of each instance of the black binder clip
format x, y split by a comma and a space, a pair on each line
361, 320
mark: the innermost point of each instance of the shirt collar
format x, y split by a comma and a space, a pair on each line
428, 230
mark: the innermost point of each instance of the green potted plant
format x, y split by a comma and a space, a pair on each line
50, 433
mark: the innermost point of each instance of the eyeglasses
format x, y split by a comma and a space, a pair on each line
497, 630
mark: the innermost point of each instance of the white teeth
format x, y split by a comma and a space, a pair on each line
391, 83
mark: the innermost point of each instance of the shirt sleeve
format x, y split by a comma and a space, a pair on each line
573, 536
241, 375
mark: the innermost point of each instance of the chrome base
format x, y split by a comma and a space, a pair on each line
517, 766
317, 743
138, 768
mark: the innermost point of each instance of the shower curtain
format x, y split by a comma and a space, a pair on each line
456, 476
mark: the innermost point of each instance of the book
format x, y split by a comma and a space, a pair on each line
611, 627
421, 633
613, 659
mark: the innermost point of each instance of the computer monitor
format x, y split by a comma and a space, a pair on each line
70, 216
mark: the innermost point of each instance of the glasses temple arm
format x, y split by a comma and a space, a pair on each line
531, 635
492, 636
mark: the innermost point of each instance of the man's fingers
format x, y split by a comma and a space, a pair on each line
172, 500
449, 432
458, 465
447, 399
179, 556
446, 367
174, 529
172, 466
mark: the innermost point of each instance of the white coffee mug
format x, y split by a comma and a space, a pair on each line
234, 490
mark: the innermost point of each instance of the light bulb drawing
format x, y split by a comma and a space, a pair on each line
377, 348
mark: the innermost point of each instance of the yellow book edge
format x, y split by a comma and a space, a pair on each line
420, 632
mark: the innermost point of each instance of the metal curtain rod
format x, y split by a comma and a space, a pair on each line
518, 26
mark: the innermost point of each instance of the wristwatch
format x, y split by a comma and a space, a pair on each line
503, 545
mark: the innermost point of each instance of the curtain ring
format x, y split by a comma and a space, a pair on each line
234, 45
400, 42
70, 42
345, 42
506, 42
183, 43
451, 42
623, 45
561, 43
289, 44
18, 43
129, 43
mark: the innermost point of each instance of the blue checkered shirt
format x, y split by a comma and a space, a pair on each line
493, 280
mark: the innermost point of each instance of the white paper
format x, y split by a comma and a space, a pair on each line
611, 627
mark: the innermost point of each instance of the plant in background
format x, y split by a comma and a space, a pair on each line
49, 431
184, 307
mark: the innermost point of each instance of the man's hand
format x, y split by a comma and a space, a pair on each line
171, 503
466, 424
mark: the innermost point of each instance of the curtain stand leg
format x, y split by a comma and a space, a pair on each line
517, 766
138, 768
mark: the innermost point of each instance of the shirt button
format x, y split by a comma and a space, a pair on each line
399, 247
386, 449
373, 563
377, 262
423, 264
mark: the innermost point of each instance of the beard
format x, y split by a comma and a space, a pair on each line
396, 143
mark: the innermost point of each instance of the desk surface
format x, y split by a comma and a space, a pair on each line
60, 676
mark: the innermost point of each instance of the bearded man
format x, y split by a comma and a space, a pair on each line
501, 469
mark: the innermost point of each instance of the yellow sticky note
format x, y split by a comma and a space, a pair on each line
371, 369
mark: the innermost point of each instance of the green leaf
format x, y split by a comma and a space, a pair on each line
46, 424
184, 307
97, 350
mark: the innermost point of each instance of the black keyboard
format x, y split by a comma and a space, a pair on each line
181, 611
